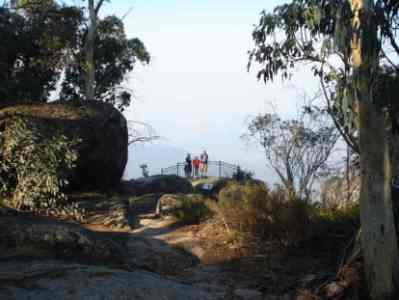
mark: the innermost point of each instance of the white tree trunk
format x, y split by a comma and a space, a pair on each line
89, 50
379, 236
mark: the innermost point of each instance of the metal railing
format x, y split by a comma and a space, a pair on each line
219, 169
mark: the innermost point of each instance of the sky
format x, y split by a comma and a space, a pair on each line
196, 93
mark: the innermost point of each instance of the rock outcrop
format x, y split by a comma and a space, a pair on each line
23, 232
48, 280
100, 128
158, 184
113, 212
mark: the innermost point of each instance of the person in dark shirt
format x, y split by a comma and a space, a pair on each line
188, 169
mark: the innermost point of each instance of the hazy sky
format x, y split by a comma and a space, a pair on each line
197, 92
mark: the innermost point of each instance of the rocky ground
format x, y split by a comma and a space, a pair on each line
159, 260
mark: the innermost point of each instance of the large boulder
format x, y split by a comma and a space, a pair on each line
211, 187
52, 238
158, 184
100, 128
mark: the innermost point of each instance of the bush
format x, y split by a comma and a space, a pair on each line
191, 210
256, 216
219, 184
253, 214
34, 168
330, 223
242, 175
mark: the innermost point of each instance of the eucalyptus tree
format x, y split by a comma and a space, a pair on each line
90, 36
296, 149
34, 40
379, 235
44, 42
114, 55
342, 40
89, 48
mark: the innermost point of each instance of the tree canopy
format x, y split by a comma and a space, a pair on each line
316, 32
43, 45
115, 55
33, 49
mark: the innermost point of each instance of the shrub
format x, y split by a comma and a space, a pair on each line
330, 224
242, 175
191, 210
253, 214
257, 217
34, 168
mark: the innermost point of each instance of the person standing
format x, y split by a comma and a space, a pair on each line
201, 170
204, 163
188, 169
196, 165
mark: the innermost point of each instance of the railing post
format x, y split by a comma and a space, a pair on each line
223, 168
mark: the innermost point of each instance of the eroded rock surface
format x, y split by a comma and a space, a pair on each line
51, 280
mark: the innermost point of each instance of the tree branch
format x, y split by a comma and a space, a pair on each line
98, 6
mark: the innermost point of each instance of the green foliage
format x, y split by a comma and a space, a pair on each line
42, 39
242, 175
317, 33
191, 210
34, 168
333, 229
32, 50
114, 54
304, 25
347, 215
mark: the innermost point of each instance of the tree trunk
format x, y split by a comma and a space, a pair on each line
89, 49
348, 175
379, 237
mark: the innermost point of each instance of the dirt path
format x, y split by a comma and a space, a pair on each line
168, 234
201, 256
161, 246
